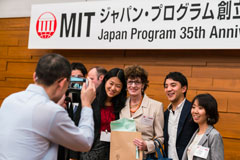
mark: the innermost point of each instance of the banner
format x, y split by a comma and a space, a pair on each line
141, 24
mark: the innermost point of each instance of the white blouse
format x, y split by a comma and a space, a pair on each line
192, 148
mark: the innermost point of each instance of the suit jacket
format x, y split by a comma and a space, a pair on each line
185, 130
150, 109
65, 153
211, 139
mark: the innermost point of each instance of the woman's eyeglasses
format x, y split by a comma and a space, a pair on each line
134, 82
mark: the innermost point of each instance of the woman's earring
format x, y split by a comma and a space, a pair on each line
209, 119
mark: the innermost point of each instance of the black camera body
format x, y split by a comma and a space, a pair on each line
73, 95
76, 84
75, 88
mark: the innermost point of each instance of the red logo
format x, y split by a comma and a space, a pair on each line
46, 25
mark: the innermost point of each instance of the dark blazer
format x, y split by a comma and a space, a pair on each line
186, 128
65, 153
211, 139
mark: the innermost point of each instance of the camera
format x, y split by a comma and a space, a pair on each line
74, 88
73, 95
76, 83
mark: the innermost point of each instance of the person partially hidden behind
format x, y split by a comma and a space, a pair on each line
206, 143
178, 124
74, 110
78, 70
96, 74
33, 124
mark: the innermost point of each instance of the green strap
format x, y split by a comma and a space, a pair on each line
137, 153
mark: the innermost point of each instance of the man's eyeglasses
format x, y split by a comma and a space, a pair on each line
134, 82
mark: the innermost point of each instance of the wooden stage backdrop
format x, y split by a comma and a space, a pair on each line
208, 71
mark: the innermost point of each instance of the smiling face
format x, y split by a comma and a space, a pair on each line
134, 86
174, 91
113, 87
198, 113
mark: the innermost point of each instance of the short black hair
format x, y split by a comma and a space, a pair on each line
209, 103
52, 67
177, 76
79, 66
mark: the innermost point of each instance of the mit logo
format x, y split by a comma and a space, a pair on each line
46, 25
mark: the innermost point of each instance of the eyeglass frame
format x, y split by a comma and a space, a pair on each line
137, 83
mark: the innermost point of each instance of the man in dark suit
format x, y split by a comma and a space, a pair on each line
178, 124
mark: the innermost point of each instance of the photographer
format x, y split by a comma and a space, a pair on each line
33, 124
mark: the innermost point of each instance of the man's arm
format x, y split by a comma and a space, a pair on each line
64, 132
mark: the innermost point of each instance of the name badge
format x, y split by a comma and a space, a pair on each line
201, 152
105, 136
148, 121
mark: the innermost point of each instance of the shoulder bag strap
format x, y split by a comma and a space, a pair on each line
160, 148
157, 148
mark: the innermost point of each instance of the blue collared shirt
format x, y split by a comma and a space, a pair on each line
32, 126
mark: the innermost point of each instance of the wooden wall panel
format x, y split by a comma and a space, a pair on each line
16, 82
3, 51
233, 103
21, 67
9, 42
3, 64
228, 125
216, 72
208, 71
231, 150
14, 24
200, 83
226, 84
164, 70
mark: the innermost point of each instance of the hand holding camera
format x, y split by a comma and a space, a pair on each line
88, 93
81, 90
76, 84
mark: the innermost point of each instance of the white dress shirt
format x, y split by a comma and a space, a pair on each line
32, 126
173, 120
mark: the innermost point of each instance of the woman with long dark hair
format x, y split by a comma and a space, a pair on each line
110, 99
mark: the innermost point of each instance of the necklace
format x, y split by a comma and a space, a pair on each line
133, 110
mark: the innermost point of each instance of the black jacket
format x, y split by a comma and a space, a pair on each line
186, 128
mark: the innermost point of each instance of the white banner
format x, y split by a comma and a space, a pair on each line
141, 24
